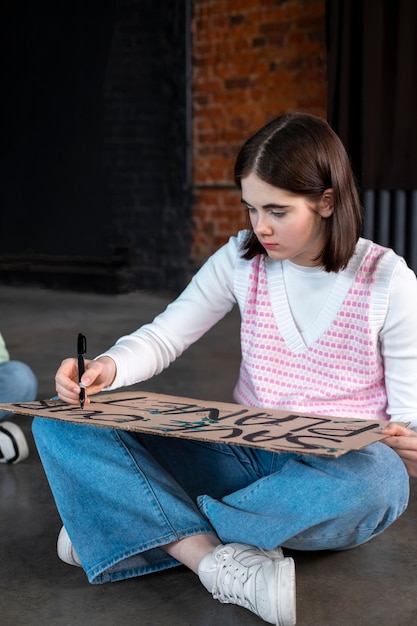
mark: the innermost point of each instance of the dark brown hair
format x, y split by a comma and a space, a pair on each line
301, 153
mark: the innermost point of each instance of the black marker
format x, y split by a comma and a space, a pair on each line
81, 350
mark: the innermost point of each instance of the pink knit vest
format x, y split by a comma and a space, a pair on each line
341, 374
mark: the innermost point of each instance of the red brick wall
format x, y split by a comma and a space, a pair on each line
252, 59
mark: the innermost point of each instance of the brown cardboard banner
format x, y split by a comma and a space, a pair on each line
173, 416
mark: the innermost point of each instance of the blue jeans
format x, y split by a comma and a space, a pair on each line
122, 495
17, 384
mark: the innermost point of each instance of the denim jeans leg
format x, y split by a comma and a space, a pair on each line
18, 383
315, 503
120, 502
116, 502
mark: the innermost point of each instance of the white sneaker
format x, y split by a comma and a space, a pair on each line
65, 549
13, 444
259, 580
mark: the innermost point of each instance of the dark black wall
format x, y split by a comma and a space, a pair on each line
94, 167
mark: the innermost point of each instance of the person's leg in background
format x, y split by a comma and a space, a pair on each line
18, 383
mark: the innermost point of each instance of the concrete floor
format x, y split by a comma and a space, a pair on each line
373, 585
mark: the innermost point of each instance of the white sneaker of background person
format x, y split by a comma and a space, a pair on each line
13, 444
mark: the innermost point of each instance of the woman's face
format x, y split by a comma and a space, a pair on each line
288, 226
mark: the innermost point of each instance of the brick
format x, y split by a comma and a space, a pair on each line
252, 60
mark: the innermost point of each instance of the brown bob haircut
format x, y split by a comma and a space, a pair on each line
300, 153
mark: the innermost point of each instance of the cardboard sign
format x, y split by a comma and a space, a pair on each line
172, 416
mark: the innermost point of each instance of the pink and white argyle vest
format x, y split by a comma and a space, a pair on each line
340, 374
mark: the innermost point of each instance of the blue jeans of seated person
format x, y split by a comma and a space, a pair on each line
17, 384
122, 496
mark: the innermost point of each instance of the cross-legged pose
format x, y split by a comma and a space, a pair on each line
328, 327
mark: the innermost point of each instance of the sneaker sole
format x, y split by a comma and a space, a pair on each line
17, 442
286, 596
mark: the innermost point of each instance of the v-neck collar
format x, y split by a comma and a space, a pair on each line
294, 339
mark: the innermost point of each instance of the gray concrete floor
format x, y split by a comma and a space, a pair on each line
373, 585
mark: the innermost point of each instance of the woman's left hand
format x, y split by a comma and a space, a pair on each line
404, 441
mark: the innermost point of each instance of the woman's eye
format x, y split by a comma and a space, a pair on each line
277, 213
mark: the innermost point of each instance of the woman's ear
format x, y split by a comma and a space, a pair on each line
327, 203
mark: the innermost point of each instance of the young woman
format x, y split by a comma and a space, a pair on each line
328, 327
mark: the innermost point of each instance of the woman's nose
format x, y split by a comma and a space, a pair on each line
263, 224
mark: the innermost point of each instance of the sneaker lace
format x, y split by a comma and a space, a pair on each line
232, 578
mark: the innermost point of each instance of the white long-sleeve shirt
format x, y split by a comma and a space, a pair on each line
312, 295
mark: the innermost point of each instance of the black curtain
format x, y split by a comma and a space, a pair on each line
372, 88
